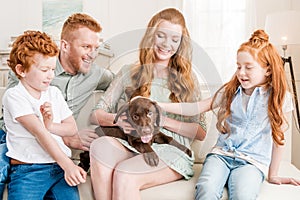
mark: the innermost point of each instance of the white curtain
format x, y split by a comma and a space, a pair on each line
219, 27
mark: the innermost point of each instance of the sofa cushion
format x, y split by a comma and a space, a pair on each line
184, 190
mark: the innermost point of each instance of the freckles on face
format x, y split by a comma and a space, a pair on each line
167, 40
249, 72
40, 74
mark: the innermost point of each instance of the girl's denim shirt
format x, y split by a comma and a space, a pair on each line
250, 130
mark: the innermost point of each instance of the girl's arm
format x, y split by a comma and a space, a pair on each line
188, 109
273, 177
277, 154
74, 175
187, 129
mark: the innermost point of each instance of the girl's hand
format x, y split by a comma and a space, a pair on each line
284, 180
124, 125
47, 114
74, 175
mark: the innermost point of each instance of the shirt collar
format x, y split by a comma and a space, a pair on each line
261, 90
59, 69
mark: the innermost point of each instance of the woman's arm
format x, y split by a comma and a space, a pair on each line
100, 117
188, 109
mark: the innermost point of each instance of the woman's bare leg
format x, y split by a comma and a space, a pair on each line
105, 154
134, 174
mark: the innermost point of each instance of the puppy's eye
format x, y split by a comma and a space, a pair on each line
149, 114
135, 117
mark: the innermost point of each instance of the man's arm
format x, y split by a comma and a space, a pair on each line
105, 79
12, 80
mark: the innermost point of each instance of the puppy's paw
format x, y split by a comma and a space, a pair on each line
84, 161
188, 152
151, 158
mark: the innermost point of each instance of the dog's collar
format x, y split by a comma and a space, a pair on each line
136, 97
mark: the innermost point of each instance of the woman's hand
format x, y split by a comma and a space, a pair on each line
124, 125
284, 180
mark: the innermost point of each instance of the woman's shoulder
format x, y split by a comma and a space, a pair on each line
125, 71
128, 67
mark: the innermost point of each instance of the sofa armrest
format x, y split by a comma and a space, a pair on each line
84, 115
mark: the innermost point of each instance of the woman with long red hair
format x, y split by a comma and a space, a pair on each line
164, 73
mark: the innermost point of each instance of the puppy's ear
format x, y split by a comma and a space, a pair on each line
129, 92
159, 113
123, 109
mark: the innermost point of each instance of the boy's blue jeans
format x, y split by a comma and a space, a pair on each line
4, 163
39, 182
242, 178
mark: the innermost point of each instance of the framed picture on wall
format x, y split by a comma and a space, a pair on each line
55, 12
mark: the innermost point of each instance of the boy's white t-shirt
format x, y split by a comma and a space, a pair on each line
21, 144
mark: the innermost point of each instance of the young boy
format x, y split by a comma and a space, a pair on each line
37, 117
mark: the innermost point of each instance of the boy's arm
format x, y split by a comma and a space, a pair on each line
188, 109
66, 127
36, 128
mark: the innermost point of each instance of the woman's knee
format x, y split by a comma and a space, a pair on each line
99, 144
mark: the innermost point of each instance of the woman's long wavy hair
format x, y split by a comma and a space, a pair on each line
267, 56
180, 80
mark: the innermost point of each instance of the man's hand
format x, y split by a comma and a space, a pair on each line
87, 136
82, 140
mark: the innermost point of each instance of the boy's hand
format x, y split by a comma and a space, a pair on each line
74, 175
47, 114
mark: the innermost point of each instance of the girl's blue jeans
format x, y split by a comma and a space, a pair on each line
243, 179
39, 182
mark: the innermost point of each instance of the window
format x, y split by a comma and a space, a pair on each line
219, 27
55, 12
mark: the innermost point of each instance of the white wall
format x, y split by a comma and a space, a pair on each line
115, 16
17, 16
264, 7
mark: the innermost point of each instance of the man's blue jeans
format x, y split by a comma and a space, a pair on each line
39, 182
4, 163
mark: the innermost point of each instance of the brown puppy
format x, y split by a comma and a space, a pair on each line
144, 116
